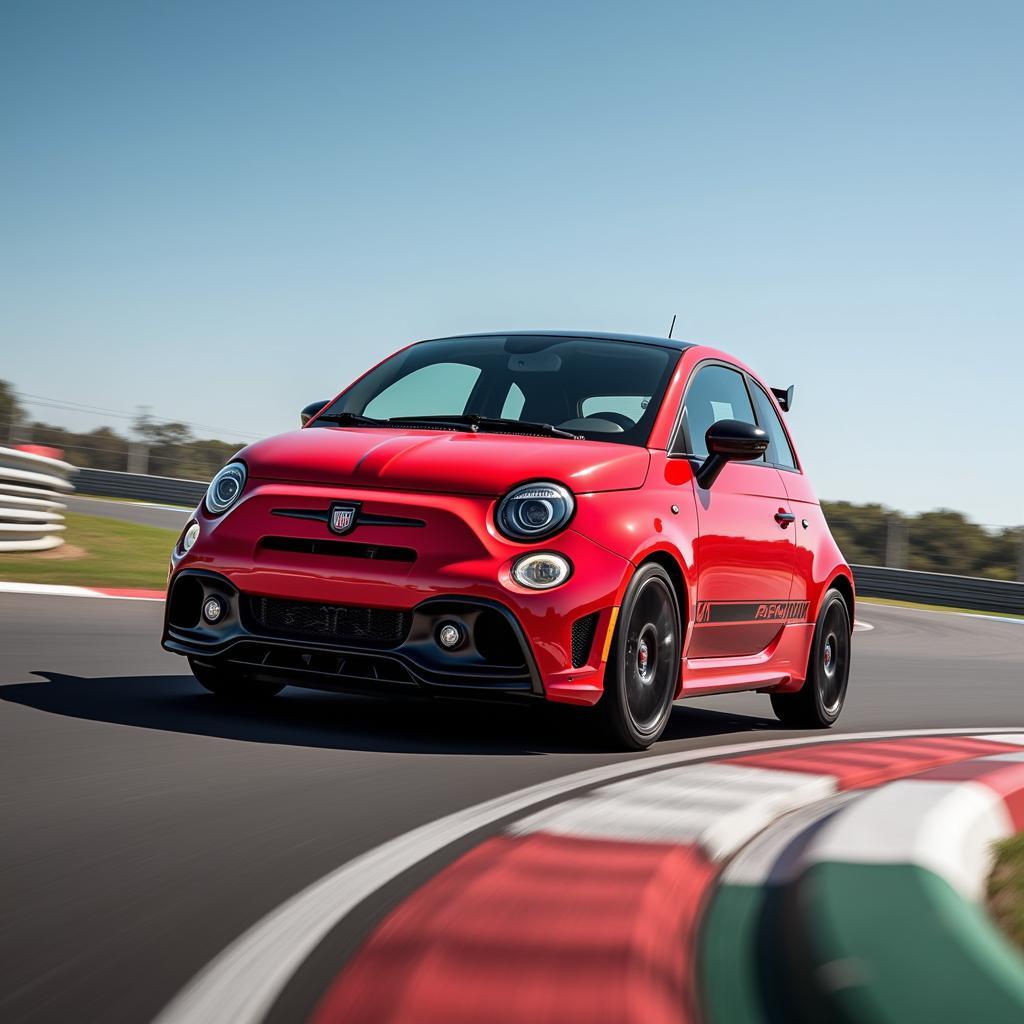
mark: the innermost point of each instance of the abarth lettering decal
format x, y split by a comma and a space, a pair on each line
713, 612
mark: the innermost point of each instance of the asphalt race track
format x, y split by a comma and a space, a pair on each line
146, 825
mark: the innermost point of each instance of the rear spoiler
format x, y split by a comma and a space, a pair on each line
784, 397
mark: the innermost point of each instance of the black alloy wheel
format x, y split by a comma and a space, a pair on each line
818, 704
643, 668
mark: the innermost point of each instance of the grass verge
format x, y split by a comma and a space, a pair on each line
1006, 888
98, 552
934, 607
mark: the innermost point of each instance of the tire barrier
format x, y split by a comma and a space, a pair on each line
141, 487
972, 592
31, 513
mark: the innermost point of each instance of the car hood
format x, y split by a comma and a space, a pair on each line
454, 462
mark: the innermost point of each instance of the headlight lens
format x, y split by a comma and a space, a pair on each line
189, 537
534, 511
541, 571
225, 488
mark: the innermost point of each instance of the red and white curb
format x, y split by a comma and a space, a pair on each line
588, 905
58, 590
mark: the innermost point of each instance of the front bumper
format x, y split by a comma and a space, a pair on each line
422, 557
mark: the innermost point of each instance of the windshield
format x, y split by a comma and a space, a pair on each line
600, 389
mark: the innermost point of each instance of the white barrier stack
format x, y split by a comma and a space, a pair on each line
31, 486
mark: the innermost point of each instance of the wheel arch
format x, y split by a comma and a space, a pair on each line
844, 584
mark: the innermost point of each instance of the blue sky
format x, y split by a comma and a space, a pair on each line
226, 210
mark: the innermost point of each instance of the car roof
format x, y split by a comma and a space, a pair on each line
672, 343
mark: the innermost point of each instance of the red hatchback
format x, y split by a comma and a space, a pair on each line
584, 518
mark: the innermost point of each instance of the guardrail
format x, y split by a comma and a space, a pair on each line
31, 486
168, 490
937, 588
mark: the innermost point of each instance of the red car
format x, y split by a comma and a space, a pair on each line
582, 518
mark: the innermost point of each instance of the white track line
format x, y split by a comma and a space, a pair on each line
859, 626
56, 590
242, 982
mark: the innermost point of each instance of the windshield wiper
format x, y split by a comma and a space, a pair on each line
350, 417
470, 422
475, 423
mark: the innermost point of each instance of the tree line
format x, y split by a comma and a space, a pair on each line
159, 447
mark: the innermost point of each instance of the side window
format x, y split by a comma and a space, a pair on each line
779, 451
717, 393
429, 391
514, 402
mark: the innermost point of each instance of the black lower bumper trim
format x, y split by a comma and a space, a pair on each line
416, 665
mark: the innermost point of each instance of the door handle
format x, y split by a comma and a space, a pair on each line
784, 518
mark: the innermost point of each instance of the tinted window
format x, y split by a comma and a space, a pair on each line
631, 406
567, 382
429, 391
514, 402
779, 450
717, 393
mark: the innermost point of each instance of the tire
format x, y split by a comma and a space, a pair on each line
818, 703
231, 684
643, 667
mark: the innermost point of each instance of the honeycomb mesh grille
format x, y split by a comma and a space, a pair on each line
583, 639
376, 627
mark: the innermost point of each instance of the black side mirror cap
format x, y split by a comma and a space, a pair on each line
730, 441
312, 409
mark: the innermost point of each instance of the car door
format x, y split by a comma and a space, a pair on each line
744, 554
810, 523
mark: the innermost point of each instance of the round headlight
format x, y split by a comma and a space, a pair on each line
225, 488
541, 571
190, 536
534, 511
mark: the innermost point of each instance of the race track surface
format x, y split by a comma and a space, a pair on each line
146, 825
167, 516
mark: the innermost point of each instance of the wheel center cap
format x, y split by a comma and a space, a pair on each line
828, 655
646, 654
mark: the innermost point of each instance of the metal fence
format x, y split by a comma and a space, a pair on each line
937, 588
167, 490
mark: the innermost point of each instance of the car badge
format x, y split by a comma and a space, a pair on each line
343, 518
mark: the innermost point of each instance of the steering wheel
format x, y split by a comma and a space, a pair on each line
615, 417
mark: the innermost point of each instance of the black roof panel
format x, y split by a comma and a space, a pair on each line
673, 343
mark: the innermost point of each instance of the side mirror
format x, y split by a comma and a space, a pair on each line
312, 409
730, 441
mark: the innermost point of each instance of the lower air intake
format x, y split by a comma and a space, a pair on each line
331, 623
583, 639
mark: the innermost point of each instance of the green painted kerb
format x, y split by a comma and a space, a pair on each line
896, 943
860, 944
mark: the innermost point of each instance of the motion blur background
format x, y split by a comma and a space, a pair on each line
214, 214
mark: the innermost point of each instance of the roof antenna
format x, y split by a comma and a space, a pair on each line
673, 327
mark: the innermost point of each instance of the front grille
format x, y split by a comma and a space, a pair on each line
331, 623
583, 639
338, 549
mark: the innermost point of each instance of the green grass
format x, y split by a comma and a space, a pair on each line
1006, 888
116, 554
932, 607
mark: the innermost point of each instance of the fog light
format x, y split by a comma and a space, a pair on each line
191, 536
541, 571
213, 609
449, 636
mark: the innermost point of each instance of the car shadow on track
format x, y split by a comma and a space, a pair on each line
307, 718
